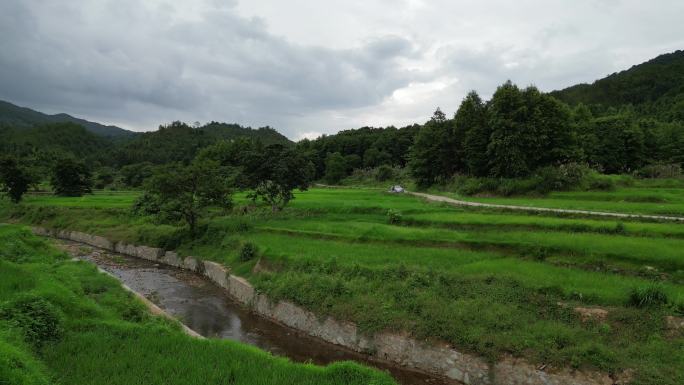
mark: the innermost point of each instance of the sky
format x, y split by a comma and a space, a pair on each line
311, 67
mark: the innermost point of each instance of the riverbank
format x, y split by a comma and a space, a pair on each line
488, 283
63, 321
438, 359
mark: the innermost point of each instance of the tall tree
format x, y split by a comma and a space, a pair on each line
283, 170
178, 192
507, 118
434, 154
471, 123
71, 178
14, 180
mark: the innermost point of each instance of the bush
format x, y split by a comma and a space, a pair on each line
660, 171
384, 173
596, 181
647, 296
393, 217
37, 318
561, 178
248, 251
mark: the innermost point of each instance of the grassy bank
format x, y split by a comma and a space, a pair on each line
489, 282
63, 322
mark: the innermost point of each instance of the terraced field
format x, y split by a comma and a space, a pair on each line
489, 282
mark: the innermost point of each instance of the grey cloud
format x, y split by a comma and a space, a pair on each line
215, 66
142, 63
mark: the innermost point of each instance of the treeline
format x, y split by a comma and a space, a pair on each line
119, 162
336, 156
654, 89
520, 131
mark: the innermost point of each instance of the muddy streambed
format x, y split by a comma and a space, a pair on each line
208, 310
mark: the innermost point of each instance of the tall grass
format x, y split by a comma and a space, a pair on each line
107, 337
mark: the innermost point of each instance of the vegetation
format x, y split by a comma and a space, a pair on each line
178, 192
71, 178
490, 282
64, 322
14, 181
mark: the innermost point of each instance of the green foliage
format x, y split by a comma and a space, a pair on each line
384, 173
37, 318
178, 142
434, 155
26, 118
375, 146
108, 337
14, 181
394, 217
248, 251
471, 120
134, 175
178, 192
17, 366
335, 168
281, 171
647, 296
70, 178
654, 88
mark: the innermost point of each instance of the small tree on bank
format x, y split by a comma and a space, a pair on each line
185, 193
283, 170
14, 180
70, 178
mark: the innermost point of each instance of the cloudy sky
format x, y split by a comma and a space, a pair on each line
308, 67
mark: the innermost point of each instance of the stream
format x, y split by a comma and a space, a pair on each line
208, 310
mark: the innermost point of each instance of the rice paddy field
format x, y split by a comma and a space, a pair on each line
490, 282
63, 322
640, 199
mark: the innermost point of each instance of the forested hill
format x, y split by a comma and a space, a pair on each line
180, 142
21, 117
654, 88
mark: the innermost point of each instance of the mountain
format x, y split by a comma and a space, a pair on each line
654, 88
178, 142
22, 117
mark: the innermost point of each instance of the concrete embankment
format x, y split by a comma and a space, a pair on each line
435, 358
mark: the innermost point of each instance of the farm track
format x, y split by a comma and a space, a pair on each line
456, 202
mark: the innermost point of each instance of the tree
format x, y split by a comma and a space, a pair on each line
283, 171
507, 117
335, 168
70, 178
434, 154
178, 192
14, 180
271, 172
470, 122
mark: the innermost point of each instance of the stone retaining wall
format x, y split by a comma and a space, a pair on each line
438, 359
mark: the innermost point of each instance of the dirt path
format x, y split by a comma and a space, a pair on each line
440, 198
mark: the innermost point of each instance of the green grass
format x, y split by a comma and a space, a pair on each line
636, 200
489, 282
105, 336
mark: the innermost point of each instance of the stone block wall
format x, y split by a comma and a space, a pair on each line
434, 358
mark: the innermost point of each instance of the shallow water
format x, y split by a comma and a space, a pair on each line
208, 310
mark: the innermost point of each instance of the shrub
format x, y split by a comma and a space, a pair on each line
37, 318
647, 296
561, 178
393, 217
248, 251
660, 171
384, 173
596, 181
